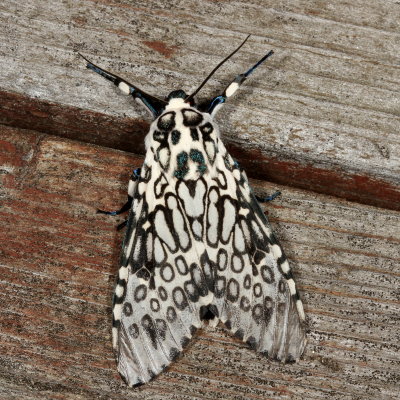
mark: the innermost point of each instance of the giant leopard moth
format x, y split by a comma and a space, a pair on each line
197, 244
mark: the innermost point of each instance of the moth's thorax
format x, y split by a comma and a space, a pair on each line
183, 140
175, 104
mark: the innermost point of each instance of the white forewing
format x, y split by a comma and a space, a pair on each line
198, 241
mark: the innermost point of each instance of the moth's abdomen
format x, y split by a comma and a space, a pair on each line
184, 143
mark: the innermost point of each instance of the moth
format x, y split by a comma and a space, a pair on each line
197, 244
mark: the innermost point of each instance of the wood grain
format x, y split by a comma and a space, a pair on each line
59, 258
323, 114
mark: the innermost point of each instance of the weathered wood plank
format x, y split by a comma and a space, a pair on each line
323, 114
59, 258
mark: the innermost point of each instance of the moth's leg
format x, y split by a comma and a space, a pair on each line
123, 209
152, 103
122, 225
237, 165
259, 198
134, 177
231, 89
268, 198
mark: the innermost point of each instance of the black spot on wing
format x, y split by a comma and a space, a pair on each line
222, 182
181, 265
194, 134
254, 269
191, 185
220, 287
116, 323
237, 263
152, 283
161, 326
282, 286
149, 328
179, 297
197, 157
233, 290
267, 274
191, 291
167, 273
173, 353
160, 136
268, 309
175, 136
206, 130
213, 309
258, 256
247, 281
133, 331
222, 259
257, 313
192, 329
185, 341
251, 341
228, 162
163, 293
154, 305
208, 267
191, 117
245, 304
164, 156
127, 309
239, 334
140, 293
257, 290
182, 165
171, 314
160, 185
198, 280
143, 273
166, 121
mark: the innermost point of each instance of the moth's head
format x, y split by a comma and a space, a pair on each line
179, 94
177, 99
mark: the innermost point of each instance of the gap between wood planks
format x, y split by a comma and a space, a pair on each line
128, 135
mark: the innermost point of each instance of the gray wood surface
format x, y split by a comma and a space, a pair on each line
322, 114
59, 258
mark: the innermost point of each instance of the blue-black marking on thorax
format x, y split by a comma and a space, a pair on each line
182, 168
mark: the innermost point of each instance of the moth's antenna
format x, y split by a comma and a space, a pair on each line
125, 86
213, 71
246, 74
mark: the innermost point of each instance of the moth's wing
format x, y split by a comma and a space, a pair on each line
161, 286
255, 293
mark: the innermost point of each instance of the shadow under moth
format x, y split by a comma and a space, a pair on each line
197, 245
